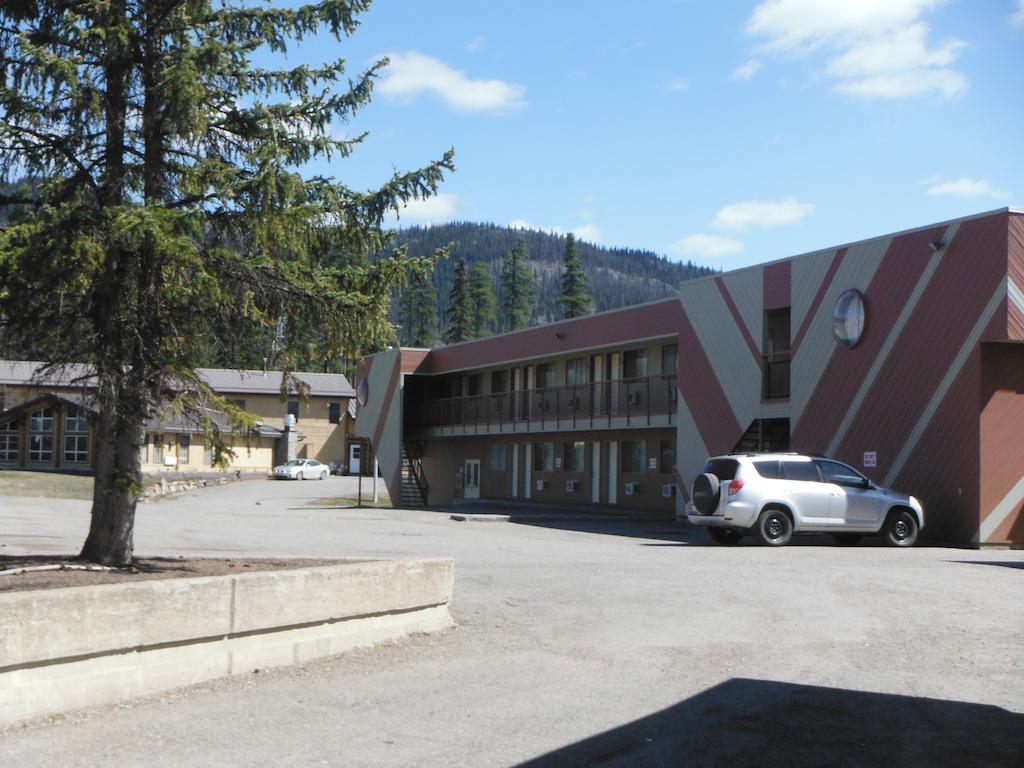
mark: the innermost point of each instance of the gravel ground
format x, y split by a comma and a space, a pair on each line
592, 642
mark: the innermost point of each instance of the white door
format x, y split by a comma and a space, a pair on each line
353, 458
806, 494
472, 486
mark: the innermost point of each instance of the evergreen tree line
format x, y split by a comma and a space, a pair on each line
531, 277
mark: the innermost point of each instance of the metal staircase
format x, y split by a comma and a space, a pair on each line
764, 435
415, 490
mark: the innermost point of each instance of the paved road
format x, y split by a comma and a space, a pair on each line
581, 643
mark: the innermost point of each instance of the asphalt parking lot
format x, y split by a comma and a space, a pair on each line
579, 642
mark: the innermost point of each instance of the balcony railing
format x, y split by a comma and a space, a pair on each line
596, 404
776, 376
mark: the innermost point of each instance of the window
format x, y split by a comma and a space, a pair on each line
576, 371
293, 409
840, 474
803, 471
3, 399
158, 449
499, 458
723, 469
768, 469
544, 457
499, 382
10, 441
207, 455
40, 437
669, 359
144, 450
634, 456
76, 436
574, 457
184, 443
334, 413
476, 384
668, 457
634, 364
545, 375
240, 403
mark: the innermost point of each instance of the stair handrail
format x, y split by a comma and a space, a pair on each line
418, 475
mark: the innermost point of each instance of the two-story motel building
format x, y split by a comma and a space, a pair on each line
902, 355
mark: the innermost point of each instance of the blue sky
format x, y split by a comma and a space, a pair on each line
726, 133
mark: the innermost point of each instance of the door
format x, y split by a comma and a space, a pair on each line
353, 458
595, 473
471, 490
852, 502
611, 470
806, 494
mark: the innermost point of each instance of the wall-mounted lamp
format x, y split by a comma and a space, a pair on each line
936, 245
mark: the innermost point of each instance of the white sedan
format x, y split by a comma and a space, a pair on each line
301, 469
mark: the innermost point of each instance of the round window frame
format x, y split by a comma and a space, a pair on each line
362, 391
841, 318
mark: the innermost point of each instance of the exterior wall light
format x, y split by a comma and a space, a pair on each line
362, 391
848, 318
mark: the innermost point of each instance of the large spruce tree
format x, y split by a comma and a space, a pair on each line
575, 300
482, 302
460, 312
518, 287
167, 211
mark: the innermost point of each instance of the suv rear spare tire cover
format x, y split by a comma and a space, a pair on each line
706, 490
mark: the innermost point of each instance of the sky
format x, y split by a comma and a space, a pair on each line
727, 133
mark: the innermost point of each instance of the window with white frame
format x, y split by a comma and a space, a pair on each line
40, 435
499, 458
10, 441
158, 449
76, 436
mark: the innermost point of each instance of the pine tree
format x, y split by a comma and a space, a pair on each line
171, 215
576, 300
460, 311
418, 311
482, 302
518, 287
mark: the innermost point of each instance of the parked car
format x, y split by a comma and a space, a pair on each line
301, 469
774, 495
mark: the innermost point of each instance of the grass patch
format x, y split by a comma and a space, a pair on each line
46, 485
383, 500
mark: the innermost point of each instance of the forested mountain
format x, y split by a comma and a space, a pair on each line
617, 277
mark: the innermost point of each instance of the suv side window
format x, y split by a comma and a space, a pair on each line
769, 469
840, 474
800, 470
723, 469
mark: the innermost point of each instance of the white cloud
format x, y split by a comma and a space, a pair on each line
761, 213
411, 73
431, 210
746, 70
521, 224
589, 232
1017, 17
875, 48
708, 246
967, 187
679, 84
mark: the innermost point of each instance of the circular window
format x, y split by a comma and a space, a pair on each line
362, 390
848, 318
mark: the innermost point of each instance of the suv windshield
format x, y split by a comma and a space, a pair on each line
723, 469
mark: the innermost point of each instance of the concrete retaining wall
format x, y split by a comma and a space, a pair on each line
65, 649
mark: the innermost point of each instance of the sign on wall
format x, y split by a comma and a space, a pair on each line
870, 459
652, 463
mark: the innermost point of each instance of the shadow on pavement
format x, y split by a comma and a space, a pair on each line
763, 723
1018, 564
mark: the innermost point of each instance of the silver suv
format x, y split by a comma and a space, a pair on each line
774, 495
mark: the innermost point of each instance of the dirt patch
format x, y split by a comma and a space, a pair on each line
144, 569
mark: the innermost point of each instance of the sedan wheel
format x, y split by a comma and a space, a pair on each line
323, 475
774, 528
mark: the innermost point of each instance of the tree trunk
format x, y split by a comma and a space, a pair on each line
118, 483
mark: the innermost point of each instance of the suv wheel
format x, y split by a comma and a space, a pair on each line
774, 528
725, 536
847, 539
900, 529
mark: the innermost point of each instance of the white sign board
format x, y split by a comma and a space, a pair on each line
652, 463
870, 459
